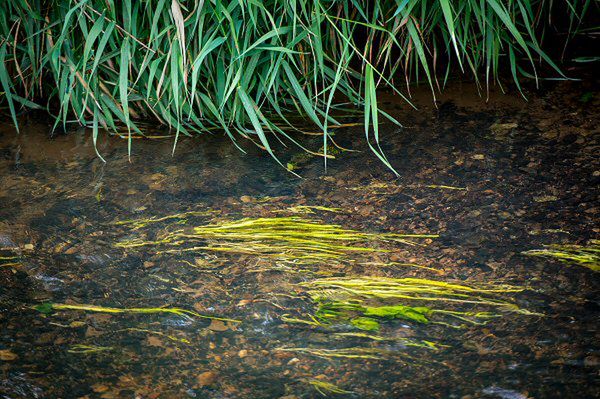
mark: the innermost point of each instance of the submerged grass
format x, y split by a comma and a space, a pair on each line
582, 255
168, 336
87, 349
408, 342
365, 302
324, 387
344, 353
10, 261
51, 307
244, 66
180, 217
291, 238
310, 209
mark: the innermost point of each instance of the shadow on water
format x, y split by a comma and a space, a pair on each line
492, 179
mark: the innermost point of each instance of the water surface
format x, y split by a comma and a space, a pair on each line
492, 179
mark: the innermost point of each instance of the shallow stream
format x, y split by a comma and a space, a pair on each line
480, 183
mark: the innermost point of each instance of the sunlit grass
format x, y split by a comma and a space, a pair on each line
364, 302
53, 307
582, 255
288, 238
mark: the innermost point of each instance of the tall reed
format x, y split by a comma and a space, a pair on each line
244, 66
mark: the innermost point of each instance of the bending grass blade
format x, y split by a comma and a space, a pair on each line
87, 349
324, 387
47, 308
365, 302
345, 353
290, 238
582, 255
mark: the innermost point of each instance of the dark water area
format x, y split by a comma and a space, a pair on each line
492, 179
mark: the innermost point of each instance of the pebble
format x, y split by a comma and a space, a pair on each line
207, 378
7, 355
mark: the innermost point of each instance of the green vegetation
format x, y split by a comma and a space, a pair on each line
51, 307
408, 342
365, 302
10, 261
87, 349
583, 255
181, 218
344, 353
324, 387
290, 238
243, 67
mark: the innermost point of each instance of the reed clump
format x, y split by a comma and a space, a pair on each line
582, 255
246, 67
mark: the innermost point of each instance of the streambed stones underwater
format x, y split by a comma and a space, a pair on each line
216, 275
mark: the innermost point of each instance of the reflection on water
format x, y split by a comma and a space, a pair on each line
310, 309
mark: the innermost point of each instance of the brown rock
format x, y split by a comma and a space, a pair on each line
243, 302
217, 325
7, 355
207, 378
154, 341
99, 388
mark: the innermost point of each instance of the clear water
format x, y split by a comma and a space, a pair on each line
528, 185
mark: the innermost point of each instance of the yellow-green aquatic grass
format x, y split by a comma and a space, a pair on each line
86, 349
290, 238
309, 209
181, 217
170, 337
443, 187
583, 255
394, 264
10, 261
324, 387
50, 307
408, 288
404, 341
313, 321
345, 353
364, 301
